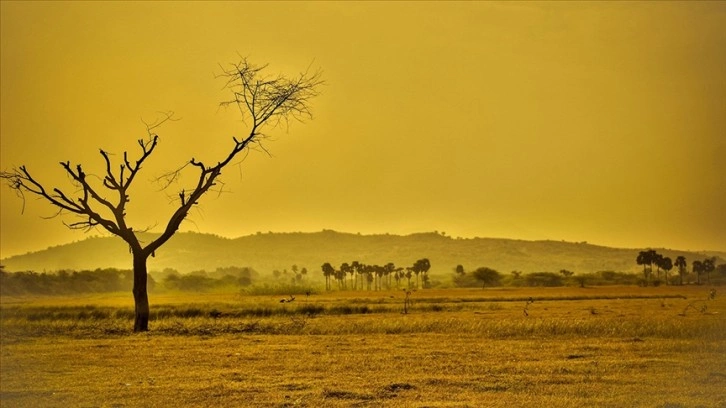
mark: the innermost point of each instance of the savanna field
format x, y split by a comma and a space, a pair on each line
513, 347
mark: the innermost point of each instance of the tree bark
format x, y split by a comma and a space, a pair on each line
141, 296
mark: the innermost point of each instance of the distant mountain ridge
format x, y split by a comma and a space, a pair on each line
188, 251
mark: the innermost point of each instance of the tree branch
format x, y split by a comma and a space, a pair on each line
262, 99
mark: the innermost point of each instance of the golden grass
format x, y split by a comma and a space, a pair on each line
476, 349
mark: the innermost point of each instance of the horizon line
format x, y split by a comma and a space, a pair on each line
434, 232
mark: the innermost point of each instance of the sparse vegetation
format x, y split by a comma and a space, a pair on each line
100, 200
487, 277
65, 282
376, 277
569, 347
650, 258
239, 309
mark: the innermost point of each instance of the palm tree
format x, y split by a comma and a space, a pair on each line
421, 266
398, 275
390, 268
667, 264
361, 273
328, 271
416, 271
345, 269
369, 275
379, 276
681, 264
657, 260
644, 258
697, 269
425, 265
709, 264
356, 271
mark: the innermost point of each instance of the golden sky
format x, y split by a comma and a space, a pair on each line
597, 121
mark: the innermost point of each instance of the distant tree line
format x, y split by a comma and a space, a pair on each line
651, 258
487, 277
359, 276
68, 282
64, 282
232, 277
297, 276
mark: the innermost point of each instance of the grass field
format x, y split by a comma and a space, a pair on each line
568, 347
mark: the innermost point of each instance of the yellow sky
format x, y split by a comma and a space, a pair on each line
599, 122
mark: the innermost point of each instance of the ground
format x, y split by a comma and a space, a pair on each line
653, 347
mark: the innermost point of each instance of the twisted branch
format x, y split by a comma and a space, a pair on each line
263, 101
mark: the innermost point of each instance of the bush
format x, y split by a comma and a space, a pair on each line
68, 282
610, 278
546, 279
465, 281
476, 279
487, 276
201, 281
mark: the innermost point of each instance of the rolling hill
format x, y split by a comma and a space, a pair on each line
187, 252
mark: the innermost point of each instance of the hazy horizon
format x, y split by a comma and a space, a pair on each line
597, 122
100, 234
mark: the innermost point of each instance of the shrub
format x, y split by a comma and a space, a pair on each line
487, 276
547, 279
465, 281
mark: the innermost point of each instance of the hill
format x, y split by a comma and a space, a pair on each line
187, 252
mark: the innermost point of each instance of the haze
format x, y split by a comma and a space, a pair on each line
598, 122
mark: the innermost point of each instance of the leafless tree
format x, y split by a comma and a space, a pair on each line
264, 101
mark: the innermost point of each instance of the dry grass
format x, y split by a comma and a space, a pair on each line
458, 348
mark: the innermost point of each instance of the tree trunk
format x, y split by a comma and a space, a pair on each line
141, 297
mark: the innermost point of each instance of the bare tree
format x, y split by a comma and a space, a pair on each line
264, 102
